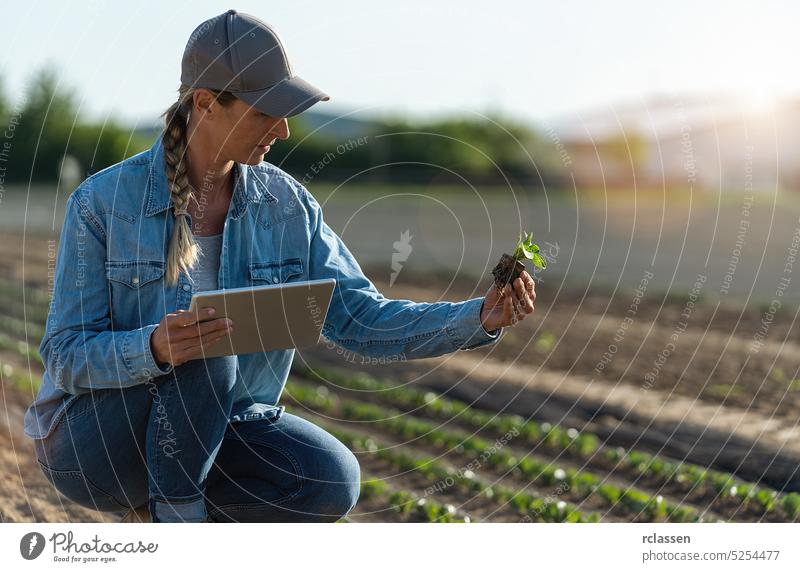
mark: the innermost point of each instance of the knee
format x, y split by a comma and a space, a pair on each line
335, 491
218, 375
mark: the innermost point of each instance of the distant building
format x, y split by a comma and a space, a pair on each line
708, 144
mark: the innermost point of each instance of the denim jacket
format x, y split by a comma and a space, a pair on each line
110, 291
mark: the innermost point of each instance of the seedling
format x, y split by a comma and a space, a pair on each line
510, 266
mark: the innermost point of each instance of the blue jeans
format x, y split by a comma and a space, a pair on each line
169, 444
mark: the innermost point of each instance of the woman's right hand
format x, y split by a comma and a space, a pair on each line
182, 336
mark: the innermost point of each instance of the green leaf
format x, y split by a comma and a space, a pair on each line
526, 248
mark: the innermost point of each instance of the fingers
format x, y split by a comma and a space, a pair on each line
196, 346
179, 334
184, 350
513, 302
183, 318
530, 284
185, 328
509, 312
512, 312
524, 293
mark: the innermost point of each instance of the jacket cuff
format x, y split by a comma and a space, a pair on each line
465, 328
138, 356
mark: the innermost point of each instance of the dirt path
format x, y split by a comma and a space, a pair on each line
25, 494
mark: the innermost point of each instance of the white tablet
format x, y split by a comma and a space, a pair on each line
267, 318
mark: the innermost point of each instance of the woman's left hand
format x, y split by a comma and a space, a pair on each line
509, 306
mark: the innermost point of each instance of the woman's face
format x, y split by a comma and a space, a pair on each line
236, 131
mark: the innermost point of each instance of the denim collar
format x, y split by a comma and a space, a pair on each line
249, 187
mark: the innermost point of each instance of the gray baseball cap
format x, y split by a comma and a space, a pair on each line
241, 54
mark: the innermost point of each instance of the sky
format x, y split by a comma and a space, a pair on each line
537, 61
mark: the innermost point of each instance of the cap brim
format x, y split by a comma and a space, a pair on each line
285, 99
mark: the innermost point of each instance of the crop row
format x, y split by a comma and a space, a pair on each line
535, 508
580, 484
21, 329
34, 297
17, 308
411, 504
694, 479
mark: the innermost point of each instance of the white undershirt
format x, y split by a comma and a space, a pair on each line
206, 272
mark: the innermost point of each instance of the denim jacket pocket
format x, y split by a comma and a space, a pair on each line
275, 272
137, 292
134, 273
78, 488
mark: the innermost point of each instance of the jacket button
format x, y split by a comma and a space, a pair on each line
136, 280
186, 287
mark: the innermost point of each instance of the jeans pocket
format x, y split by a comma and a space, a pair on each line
78, 488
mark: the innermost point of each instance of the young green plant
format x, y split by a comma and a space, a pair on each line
510, 266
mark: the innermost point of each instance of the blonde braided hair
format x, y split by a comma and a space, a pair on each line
183, 250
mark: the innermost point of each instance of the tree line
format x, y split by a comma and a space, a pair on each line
46, 125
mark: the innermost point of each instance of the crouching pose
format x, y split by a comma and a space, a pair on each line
130, 415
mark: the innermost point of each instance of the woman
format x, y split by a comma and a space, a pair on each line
130, 415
